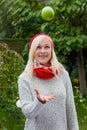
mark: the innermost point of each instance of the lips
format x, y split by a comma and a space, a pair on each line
42, 56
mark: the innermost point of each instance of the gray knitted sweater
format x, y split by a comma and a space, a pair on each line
58, 114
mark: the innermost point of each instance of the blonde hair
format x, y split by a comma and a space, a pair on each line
55, 64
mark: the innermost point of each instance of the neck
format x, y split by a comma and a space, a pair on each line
47, 65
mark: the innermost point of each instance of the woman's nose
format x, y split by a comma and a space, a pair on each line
42, 50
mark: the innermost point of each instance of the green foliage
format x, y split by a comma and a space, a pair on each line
11, 65
26, 18
6, 28
75, 76
81, 107
68, 28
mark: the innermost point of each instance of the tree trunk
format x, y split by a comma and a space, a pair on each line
82, 77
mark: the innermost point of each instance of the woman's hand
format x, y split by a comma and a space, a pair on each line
42, 98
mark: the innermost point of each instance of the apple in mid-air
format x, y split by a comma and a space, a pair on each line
47, 13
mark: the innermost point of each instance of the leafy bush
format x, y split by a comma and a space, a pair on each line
11, 65
81, 106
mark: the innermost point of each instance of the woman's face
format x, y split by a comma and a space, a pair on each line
43, 52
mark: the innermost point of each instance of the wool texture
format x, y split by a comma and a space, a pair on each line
58, 114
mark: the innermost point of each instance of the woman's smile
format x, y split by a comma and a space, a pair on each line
42, 56
43, 52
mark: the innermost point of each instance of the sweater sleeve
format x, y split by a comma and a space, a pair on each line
30, 107
72, 121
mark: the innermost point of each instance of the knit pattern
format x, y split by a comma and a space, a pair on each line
58, 114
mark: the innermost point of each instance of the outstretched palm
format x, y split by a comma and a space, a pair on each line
42, 98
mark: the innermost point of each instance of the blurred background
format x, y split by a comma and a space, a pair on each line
67, 25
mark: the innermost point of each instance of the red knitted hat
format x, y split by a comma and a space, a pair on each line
36, 35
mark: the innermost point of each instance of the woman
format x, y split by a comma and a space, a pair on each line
45, 89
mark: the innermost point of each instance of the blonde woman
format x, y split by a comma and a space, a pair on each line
45, 89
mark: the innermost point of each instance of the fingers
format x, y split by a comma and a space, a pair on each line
54, 95
47, 99
42, 98
37, 91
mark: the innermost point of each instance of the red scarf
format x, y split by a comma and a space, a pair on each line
43, 72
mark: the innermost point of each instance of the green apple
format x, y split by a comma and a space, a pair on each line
47, 13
